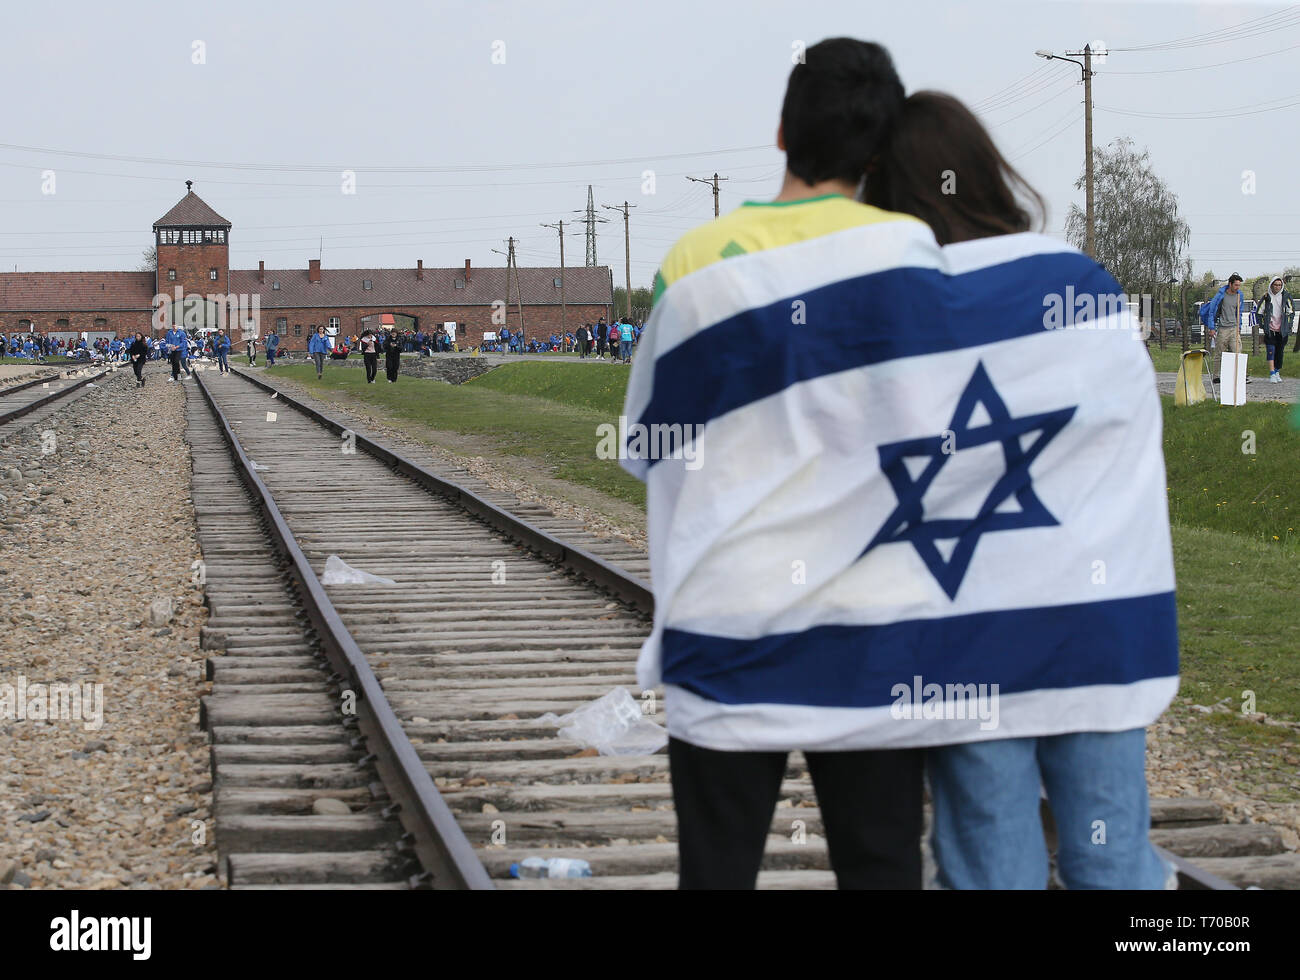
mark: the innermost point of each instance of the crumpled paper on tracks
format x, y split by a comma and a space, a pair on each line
613, 724
339, 572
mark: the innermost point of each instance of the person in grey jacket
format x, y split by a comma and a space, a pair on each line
1227, 321
1274, 314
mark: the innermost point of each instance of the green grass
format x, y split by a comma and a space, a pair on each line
559, 432
1214, 485
1256, 364
1234, 578
1236, 629
600, 389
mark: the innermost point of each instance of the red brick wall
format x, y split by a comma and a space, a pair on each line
124, 322
192, 263
474, 320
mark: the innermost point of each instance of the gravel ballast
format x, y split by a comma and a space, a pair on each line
96, 550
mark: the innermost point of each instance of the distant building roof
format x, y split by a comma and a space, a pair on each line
32, 292
191, 210
583, 285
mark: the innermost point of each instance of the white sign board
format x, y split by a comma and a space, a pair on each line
449, 328
1232, 379
489, 335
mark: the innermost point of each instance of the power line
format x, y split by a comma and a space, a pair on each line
1217, 64
1288, 15
336, 168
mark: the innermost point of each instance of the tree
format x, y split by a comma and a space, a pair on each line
149, 260
640, 302
1139, 236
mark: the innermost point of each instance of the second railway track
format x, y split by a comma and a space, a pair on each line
492, 623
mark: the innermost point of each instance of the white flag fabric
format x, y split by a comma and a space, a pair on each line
898, 495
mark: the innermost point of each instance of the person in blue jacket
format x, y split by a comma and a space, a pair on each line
177, 345
272, 345
221, 347
319, 348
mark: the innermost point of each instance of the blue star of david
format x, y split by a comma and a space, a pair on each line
907, 522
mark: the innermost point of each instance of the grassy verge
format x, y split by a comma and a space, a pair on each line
1237, 632
1214, 484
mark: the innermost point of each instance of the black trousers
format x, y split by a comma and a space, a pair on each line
392, 361
1279, 348
137, 365
175, 357
372, 366
870, 808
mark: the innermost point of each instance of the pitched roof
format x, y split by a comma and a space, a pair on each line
191, 210
583, 285
31, 292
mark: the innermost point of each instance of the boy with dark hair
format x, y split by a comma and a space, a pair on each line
746, 680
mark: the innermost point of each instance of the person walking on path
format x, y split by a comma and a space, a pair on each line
369, 345
319, 348
625, 342
138, 352
612, 339
177, 344
272, 345
582, 341
1225, 311
1274, 316
602, 335
221, 347
392, 357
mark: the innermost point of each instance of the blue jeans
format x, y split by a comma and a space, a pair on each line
222, 363
987, 831
624, 349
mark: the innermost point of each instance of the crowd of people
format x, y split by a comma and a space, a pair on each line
616, 339
591, 339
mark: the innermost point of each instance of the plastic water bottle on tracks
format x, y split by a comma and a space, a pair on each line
535, 867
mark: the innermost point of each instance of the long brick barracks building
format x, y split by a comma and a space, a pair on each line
193, 243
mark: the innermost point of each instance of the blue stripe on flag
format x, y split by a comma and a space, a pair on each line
1117, 641
870, 319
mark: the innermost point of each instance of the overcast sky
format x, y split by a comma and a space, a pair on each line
288, 95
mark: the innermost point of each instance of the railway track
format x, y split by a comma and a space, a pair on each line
17, 401
445, 775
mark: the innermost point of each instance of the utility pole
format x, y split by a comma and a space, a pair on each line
1090, 229
563, 309
714, 182
511, 266
519, 291
627, 248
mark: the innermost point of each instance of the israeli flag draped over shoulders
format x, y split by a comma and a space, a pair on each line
922, 500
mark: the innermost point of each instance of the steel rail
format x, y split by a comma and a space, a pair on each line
437, 840
635, 591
